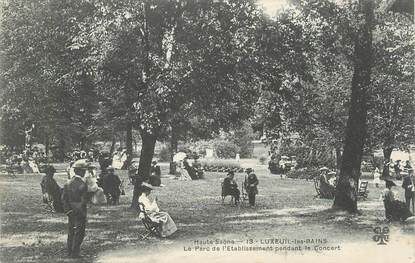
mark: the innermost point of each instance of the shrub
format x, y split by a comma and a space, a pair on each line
164, 154
225, 149
304, 173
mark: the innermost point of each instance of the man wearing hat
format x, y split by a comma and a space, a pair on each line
51, 190
111, 185
74, 199
230, 187
250, 184
408, 185
155, 174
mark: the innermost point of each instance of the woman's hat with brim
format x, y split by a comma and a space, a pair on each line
324, 168
147, 186
231, 172
332, 173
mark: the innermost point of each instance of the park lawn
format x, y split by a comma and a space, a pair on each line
285, 208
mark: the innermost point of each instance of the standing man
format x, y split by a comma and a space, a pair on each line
408, 185
250, 184
111, 183
74, 199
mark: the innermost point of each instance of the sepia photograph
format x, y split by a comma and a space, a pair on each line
241, 131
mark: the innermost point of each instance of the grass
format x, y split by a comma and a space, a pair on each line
285, 207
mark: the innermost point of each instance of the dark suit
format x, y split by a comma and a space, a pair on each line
251, 182
407, 181
52, 189
230, 188
111, 183
74, 199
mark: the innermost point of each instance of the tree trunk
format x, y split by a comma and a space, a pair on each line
173, 149
347, 186
338, 157
61, 156
113, 140
47, 145
147, 153
387, 152
129, 143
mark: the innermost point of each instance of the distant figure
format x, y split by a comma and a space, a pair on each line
155, 174
408, 185
327, 190
397, 168
250, 184
230, 187
51, 190
168, 227
111, 185
395, 210
74, 199
376, 177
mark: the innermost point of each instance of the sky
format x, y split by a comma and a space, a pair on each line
272, 6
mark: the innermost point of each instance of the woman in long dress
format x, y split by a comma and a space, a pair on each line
168, 226
376, 177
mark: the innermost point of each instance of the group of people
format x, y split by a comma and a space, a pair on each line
72, 199
250, 185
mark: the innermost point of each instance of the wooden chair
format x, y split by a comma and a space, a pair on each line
362, 192
153, 228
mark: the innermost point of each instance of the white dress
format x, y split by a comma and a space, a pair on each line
376, 177
168, 226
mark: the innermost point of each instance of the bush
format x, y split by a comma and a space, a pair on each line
304, 173
221, 165
226, 149
164, 154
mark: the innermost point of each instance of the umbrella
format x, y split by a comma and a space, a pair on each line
178, 157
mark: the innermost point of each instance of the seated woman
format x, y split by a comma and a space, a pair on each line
326, 189
230, 187
395, 210
168, 227
51, 190
190, 170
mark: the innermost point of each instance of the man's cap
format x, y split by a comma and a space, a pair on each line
110, 168
248, 170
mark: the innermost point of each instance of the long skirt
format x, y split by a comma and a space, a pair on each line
184, 175
168, 226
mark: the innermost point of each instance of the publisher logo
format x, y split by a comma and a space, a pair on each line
382, 235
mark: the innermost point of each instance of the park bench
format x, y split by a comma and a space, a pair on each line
362, 192
153, 228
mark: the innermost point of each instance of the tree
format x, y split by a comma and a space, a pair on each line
173, 57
